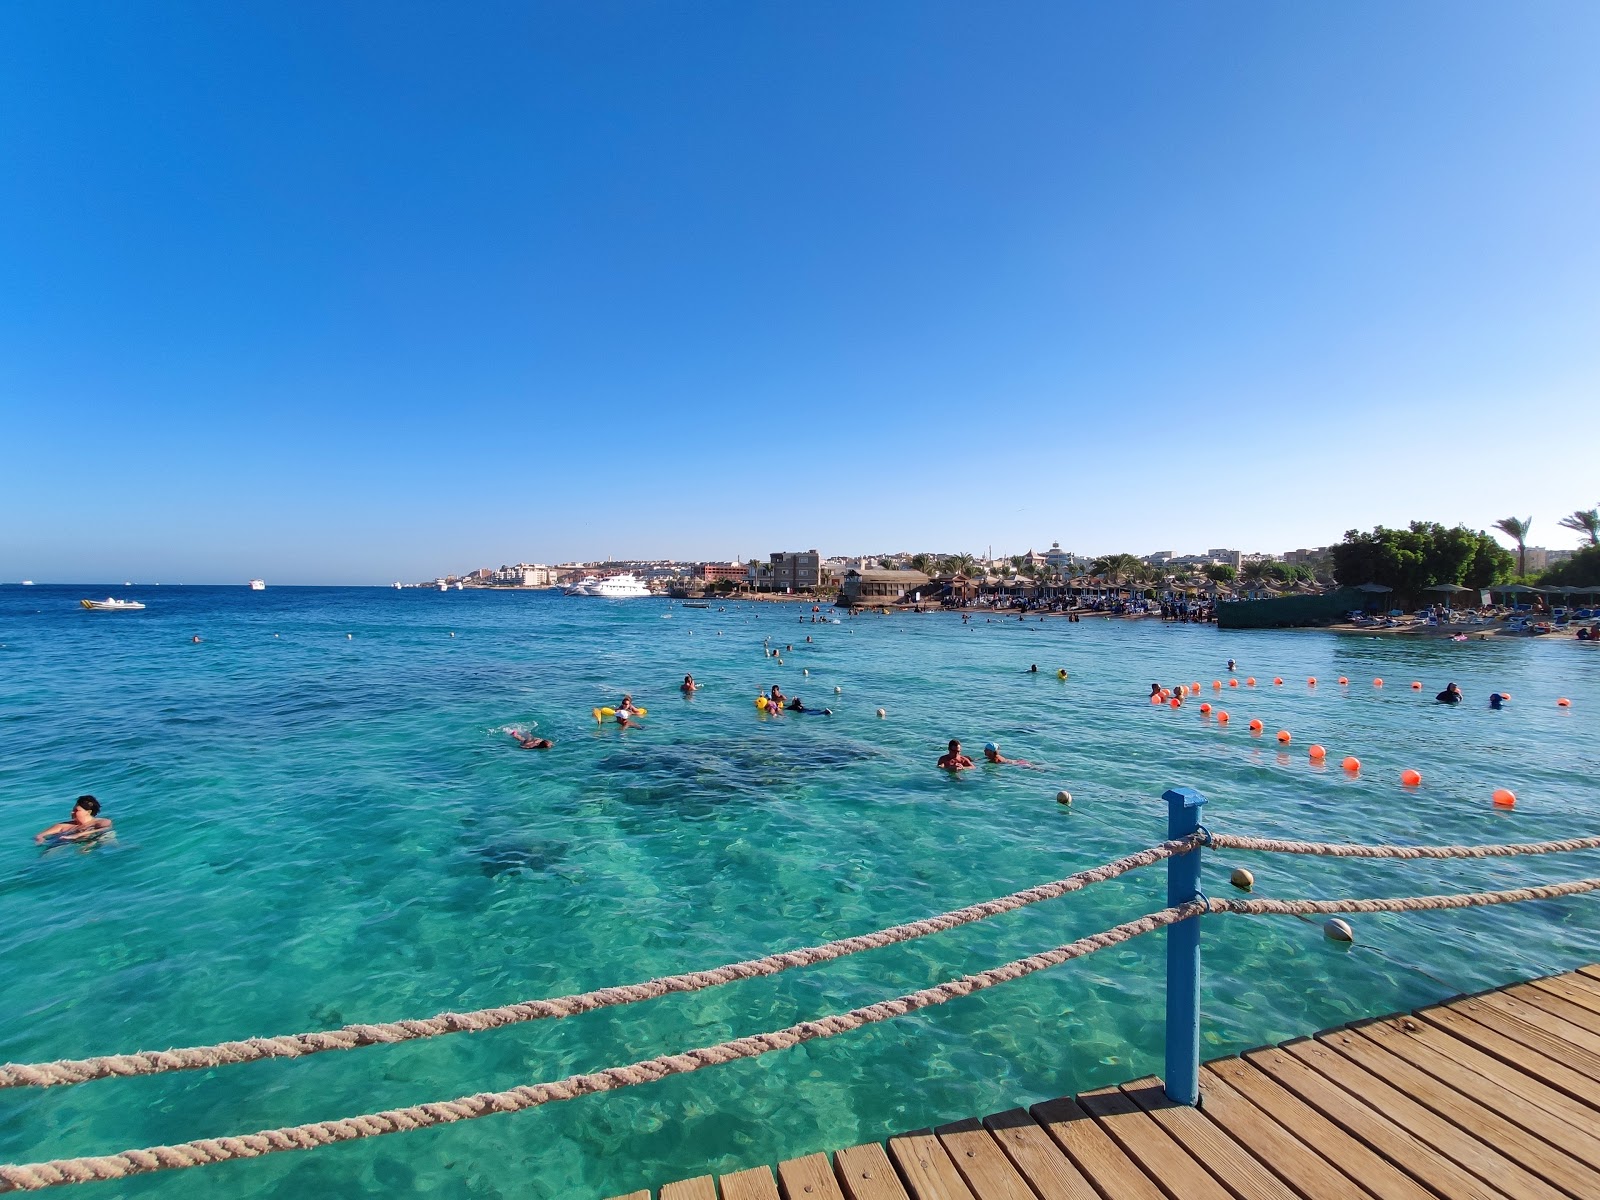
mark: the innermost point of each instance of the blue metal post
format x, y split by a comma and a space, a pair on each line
1183, 953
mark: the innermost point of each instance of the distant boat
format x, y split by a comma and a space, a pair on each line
110, 605
460, 587
258, 585
27, 583
443, 586
620, 587
583, 587
397, 585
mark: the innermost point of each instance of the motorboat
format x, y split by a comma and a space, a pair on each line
110, 605
397, 585
460, 587
584, 586
620, 587
258, 585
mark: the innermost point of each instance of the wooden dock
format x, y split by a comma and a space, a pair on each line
1494, 1095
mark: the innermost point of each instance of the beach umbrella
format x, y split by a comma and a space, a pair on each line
1449, 589
1374, 588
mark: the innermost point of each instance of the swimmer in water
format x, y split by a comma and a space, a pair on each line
1155, 690
84, 823
688, 687
1496, 700
1033, 670
796, 705
776, 699
1230, 664
953, 760
991, 753
528, 742
626, 713
196, 639
1450, 695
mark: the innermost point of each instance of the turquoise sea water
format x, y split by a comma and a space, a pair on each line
315, 828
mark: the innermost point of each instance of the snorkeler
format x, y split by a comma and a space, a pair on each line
528, 742
796, 705
85, 822
688, 686
991, 753
953, 759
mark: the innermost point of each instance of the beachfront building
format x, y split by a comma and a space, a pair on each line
1540, 559
874, 587
1058, 559
794, 571
528, 575
715, 572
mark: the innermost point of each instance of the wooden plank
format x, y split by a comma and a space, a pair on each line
1034, 1153
1521, 1098
1312, 1174
1142, 1140
754, 1184
1517, 1049
808, 1178
633, 1196
1506, 1177
1593, 972
1572, 1038
865, 1173
926, 1168
1207, 1144
982, 1162
702, 1187
1584, 1018
1574, 993
1580, 980
1093, 1152
1391, 1141
1464, 1102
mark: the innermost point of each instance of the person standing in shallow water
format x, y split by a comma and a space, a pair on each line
953, 760
85, 822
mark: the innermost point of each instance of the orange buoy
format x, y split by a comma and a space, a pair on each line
1563, 703
1155, 697
1416, 685
1317, 753
1410, 778
1505, 798
1278, 682
1216, 685
1175, 702
1255, 726
1351, 764
1377, 683
1233, 683
1195, 688
1222, 717
1205, 708
1251, 682
1283, 736
1343, 680
1312, 682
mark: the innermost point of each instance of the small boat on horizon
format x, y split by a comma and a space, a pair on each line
111, 605
258, 585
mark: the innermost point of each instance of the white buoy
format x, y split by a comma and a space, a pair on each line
1242, 879
1063, 797
882, 714
1338, 930
349, 636
838, 690
805, 670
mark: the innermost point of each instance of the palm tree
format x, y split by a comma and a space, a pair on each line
960, 564
1584, 521
1117, 567
926, 563
1518, 532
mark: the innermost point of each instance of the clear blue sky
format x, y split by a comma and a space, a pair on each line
366, 291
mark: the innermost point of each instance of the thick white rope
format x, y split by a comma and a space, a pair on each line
35, 1176
1233, 841
297, 1045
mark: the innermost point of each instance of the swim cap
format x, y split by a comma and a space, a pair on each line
988, 746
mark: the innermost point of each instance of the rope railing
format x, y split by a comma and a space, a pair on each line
350, 1037
1233, 841
206, 1151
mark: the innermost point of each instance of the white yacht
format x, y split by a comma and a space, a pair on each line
258, 585
620, 587
443, 586
584, 586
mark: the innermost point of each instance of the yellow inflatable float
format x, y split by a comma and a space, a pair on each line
605, 714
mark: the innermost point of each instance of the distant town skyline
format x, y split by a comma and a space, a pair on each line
367, 293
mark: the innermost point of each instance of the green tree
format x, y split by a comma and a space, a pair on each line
1586, 521
1581, 570
1517, 531
960, 564
928, 564
1424, 553
1118, 568
1222, 573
